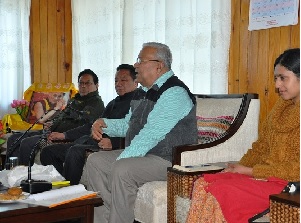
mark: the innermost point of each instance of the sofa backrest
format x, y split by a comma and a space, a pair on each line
215, 114
213, 107
236, 138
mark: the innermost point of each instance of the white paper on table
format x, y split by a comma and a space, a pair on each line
58, 196
57, 193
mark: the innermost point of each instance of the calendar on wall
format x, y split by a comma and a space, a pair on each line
265, 14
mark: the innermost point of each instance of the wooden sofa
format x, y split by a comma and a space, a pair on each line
156, 201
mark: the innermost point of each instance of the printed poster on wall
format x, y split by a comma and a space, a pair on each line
265, 14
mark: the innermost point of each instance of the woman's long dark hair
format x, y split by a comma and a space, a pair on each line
290, 59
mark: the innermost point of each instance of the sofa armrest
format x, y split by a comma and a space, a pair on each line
180, 183
285, 206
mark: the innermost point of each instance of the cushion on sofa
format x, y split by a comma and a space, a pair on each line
150, 205
182, 208
212, 128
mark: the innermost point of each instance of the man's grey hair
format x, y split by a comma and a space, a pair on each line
163, 52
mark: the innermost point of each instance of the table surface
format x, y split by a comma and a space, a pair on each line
6, 209
62, 212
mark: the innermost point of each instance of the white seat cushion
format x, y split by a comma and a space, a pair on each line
182, 208
150, 205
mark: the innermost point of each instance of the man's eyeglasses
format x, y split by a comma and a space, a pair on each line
84, 84
139, 61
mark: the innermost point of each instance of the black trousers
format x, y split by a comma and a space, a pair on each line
69, 159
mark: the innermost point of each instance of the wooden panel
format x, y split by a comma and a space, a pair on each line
35, 46
253, 69
261, 81
295, 36
274, 52
233, 77
60, 40
243, 47
52, 44
68, 41
252, 61
44, 41
51, 26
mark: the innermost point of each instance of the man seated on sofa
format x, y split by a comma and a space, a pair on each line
164, 118
69, 159
86, 106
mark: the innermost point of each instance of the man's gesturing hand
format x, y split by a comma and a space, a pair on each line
96, 130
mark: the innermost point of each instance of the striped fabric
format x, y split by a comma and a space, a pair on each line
210, 129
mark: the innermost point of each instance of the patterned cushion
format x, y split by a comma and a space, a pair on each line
211, 129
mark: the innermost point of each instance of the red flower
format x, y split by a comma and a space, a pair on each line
21, 107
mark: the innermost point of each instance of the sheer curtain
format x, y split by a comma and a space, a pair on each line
97, 41
108, 33
14, 53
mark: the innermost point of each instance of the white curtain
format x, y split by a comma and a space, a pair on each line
14, 54
97, 42
108, 33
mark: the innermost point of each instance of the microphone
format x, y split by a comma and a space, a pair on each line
35, 186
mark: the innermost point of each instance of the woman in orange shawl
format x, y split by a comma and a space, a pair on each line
242, 190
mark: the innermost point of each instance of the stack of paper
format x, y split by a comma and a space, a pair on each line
60, 196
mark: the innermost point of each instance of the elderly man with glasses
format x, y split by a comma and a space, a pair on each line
152, 127
86, 106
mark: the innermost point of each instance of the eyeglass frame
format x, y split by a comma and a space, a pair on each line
139, 61
88, 83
